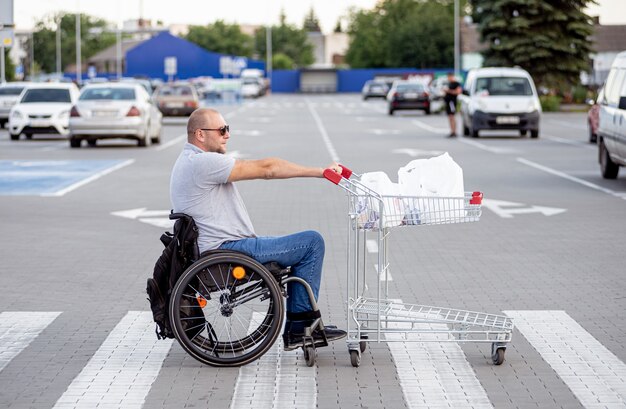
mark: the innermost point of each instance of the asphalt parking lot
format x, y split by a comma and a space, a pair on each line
81, 232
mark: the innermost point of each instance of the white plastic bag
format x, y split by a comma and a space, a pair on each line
423, 181
367, 208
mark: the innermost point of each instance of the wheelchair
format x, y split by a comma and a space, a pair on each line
227, 309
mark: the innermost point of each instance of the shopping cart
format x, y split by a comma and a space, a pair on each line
375, 317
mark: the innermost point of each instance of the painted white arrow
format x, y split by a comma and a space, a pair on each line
253, 132
141, 212
159, 218
414, 153
384, 131
508, 209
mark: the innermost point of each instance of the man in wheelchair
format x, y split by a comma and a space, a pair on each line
202, 187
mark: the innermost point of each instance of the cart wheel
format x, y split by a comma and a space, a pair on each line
363, 344
309, 355
498, 356
355, 358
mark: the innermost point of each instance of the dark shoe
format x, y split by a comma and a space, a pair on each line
452, 135
293, 341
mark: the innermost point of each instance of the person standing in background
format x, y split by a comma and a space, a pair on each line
452, 90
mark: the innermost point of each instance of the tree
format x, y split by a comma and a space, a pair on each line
94, 38
403, 33
311, 22
549, 39
288, 40
9, 68
281, 61
222, 38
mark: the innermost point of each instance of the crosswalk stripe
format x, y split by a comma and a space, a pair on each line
434, 374
279, 379
122, 370
19, 329
593, 373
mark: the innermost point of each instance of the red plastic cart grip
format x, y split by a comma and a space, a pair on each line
345, 172
332, 176
477, 198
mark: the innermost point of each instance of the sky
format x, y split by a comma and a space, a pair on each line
27, 12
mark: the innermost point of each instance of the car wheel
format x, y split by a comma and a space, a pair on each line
15, 136
608, 168
28, 135
390, 111
75, 142
427, 111
474, 133
91, 142
2, 122
534, 133
523, 132
465, 130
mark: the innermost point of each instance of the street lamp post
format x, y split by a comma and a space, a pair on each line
79, 73
268, 49
58, 44
457, 45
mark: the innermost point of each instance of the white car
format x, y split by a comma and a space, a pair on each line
9, 95
500, 98
43, 108
114, 110
612, 120
251, 88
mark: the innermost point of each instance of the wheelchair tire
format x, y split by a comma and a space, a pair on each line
225, 321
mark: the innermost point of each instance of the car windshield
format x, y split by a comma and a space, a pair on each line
503, 86
410, 88
46, 95
250, 81
177, 90
118, 94
11, 90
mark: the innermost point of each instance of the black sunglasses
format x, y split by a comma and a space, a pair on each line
223, 129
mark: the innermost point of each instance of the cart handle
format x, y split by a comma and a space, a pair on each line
336, 177
477, 198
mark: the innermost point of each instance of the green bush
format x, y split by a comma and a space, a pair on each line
579, 94
550, 103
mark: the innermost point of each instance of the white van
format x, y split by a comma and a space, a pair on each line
500, 98
612, 124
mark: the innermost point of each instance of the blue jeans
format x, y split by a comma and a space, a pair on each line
303, 252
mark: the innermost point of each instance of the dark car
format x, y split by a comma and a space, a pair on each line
374, 89
593, 117
408, 95
179, 98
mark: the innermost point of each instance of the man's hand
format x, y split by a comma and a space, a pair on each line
335, 167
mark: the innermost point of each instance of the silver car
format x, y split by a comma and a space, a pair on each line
9, 95
114, 110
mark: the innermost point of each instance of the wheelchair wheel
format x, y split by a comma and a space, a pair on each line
226, 309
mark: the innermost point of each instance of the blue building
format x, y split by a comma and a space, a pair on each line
148, 59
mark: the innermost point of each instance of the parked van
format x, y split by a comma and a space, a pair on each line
500, 98
612, 125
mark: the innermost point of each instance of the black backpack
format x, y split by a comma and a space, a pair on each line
181, 250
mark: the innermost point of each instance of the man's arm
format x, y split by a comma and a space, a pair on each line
274, 168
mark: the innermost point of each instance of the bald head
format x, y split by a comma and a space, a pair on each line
200, 118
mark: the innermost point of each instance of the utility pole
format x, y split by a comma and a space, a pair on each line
268, 49
457, 45
2, 77
79, 73
58, 44
118, 62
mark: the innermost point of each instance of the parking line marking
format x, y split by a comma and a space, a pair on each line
19, 329
569, 142
320, 126
121, 372
89, 179
593, 373
429, 128
279, 379
434, 374
621, 195
171, 143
